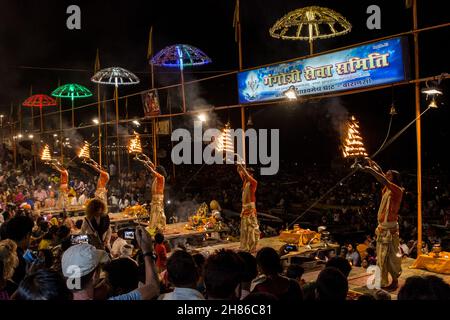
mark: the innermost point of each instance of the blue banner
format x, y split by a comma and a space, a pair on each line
364, 66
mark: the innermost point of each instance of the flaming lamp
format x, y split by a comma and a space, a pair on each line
353, 146
45, 155
85, 151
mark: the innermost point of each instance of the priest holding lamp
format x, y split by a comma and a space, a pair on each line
101, 192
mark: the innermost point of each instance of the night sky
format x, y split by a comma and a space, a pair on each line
35, 46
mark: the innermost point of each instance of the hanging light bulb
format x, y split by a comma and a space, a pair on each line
433, 103
393, 111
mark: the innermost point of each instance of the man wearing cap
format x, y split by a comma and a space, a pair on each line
249, 223
81, 267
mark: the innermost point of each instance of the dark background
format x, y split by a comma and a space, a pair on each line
35, 47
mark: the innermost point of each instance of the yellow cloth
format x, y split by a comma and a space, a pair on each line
430, 263
44, 244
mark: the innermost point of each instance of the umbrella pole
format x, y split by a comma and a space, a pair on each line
117, 129
99, 115
32, 130
73, 115
182, 90
42, 121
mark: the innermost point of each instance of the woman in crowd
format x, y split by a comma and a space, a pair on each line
8, 262
96, 224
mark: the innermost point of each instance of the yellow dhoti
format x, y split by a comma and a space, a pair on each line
157, 216
249, 228
102, 194
389, 259
63, 197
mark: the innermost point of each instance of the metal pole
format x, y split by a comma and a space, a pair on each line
238, 26
106, 130
418, 132
117, 129
182, 90
73, 114
99, 116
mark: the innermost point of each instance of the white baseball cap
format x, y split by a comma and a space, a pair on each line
83, 256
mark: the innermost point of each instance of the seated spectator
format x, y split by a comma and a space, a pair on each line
223, 271
118, 243
260, 298
182, 273
8, 262
200, 260
424, 288
249, 272
122, 276
43, 285
340, 263
332, 285
295, 272
19, 230
271, 281
353, 256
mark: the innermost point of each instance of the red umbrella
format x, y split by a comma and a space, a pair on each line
40, 100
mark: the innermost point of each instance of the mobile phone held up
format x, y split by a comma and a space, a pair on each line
79, 238
129, 235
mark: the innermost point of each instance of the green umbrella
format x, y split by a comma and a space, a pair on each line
72, 91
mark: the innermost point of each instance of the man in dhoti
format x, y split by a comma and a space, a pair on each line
387, 232
101, 192
157, 216
249, 222
63, 195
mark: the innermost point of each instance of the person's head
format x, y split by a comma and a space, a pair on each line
370, 252
182, 270
382, 295
214, 205
268, 261
95, 208
8, 259
78, 224
43, 285
63, 232
81, 262
223, 271
364, 263
19, 230
159, 238
424, 288
199, 260
341, 264
394, 177
123, 275
250, 269
332, 285
295, 271
250, 171
350, 248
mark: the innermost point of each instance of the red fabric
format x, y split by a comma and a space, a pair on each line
161, 256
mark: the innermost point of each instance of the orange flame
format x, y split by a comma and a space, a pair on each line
45, 154
353, 146
85, 151
134, 146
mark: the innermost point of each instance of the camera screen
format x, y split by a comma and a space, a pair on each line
82, 238
129, 235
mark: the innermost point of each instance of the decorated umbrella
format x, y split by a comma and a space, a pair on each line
72, 91
180, 56
118, 77
40, 100
310, 23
